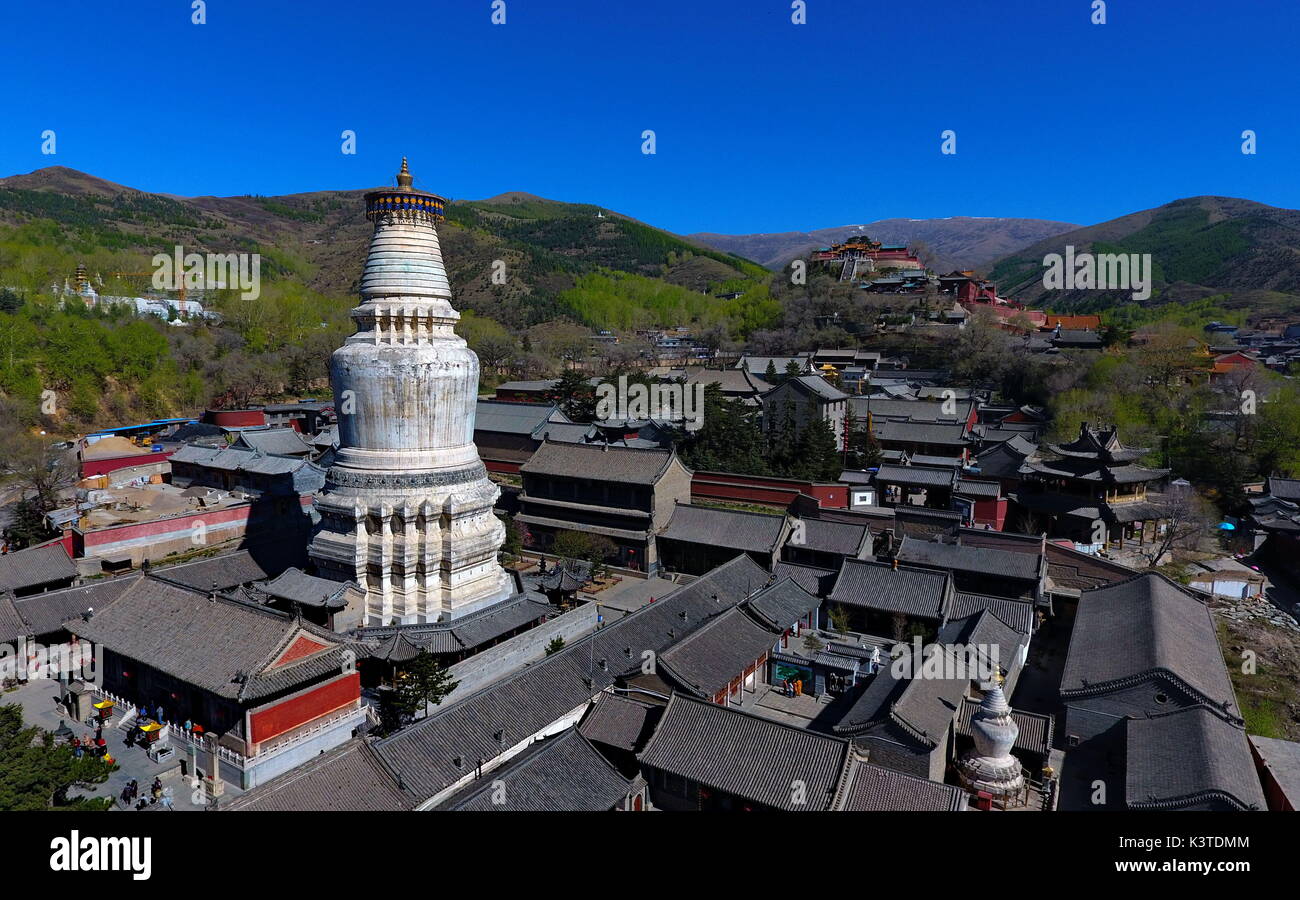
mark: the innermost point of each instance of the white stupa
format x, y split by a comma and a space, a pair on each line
406, 511
989, 766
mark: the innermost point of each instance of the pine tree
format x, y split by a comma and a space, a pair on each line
728, 440
782, 441
575, 397
817, 453
424, 681
38, 774
769, 374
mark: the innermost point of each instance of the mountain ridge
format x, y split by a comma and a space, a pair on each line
953, 242
1199, 246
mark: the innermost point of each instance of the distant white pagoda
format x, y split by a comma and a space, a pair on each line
406, 511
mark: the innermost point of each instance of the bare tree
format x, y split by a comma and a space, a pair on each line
42, 472
1188, 519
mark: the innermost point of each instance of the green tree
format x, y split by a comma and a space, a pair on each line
38, 774
555, 646
817, 453
514, 543
422, 682
840, 619
728, 439
574, 395
593, 549
27, 527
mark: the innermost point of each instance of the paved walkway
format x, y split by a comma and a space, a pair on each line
37, 699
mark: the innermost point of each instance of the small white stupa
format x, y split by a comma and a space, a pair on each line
989, 766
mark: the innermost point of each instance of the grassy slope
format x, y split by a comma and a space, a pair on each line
1199, 247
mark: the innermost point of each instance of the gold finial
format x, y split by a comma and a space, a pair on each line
404, 177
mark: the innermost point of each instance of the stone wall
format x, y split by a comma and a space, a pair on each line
495, 663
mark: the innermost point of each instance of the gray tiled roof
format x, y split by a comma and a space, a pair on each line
730, 381
871, 788
1100, 444
830, 537
349, 778
515, 418
1285, 488
1187, 757
782, 603
729, 528
873, 585
45, 613
758, 364
463, 633
275, 441
706, 661
237, 459
1019, 614
617, 721
923, 707
1146, 626
927, 707
920, 476
35, 566
599, 462
208, 642
228, 570
526, 701
810, 578
984, 560
912, 410
920, 432
873, 704
559, 774
756, 759
967, 487
12, 626
1281, 759
981, 632
296, 585
818, 386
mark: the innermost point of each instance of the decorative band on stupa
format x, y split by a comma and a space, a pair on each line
405, 199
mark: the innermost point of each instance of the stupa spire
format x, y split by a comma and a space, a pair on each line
404, 177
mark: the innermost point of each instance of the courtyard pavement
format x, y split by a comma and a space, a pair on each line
37, 698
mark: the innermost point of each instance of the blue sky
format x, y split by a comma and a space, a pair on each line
761, 125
